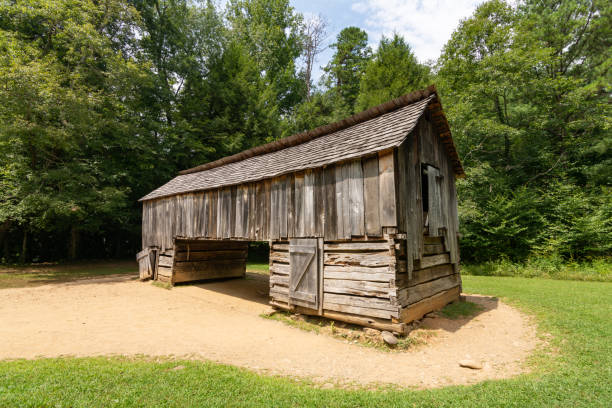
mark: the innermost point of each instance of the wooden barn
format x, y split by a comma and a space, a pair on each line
361, 216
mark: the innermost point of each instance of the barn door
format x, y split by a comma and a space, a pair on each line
435, 215
304, 275
145, 268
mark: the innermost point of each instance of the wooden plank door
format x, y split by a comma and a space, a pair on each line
304, 272
144, 264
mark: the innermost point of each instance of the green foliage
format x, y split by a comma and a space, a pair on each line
545, 267
101, 102
347, 66
526, 92
393, 71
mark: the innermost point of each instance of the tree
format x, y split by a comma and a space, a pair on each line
64, 109
270, 31
525, 92
346, 68
315, 33
392, 72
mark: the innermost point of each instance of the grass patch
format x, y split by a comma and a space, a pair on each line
457, 310
299, 321
262, 267
573, 369
598, 270
163, 285
42, 274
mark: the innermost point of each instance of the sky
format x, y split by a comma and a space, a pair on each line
425, 24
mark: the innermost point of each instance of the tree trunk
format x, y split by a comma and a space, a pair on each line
74, 243
24, 247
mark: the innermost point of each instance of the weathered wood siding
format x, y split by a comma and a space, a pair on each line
359, 281
198, 260
352, 199
423, 146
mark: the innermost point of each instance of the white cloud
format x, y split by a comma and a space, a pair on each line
426, 25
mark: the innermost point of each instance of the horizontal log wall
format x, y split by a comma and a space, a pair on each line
342, 201
434, 283
200, 260
359, 281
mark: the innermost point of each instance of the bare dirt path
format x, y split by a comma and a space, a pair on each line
220, 321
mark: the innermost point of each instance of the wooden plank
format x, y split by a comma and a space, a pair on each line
280, 293
386, 188
299, 205
359, 273
357, 246
331, 217
279, 280
239, 211
280, 269
232, 212
433, 249
356, 199
290, 206
416, 293
319, 203
166, 261
346, 200
433, 303
205, 255
362, 259
276, 256
209, 245
365, 302
435, 272
357, 310
252, 211
260, 214
278, 246
274, 210
266, 222
282, 207
433, 260
212, 215
309, 204
192, 271
367, 321
339, 188
371, 198
359, 288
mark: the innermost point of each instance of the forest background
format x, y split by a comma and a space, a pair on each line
102, 101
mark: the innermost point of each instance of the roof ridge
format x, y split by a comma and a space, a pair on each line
306, 136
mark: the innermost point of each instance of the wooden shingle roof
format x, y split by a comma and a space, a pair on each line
376, 129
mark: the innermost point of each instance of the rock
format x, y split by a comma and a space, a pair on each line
470, 364
389, 338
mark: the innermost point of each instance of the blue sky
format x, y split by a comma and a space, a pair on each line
426, 25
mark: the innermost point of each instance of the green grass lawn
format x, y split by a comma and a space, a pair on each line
573, 370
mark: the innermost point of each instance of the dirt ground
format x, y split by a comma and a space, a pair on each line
221, 321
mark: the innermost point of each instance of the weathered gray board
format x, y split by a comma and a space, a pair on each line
342, 201
194, 260
304, 272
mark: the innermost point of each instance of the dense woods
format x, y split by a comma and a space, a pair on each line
103, 100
